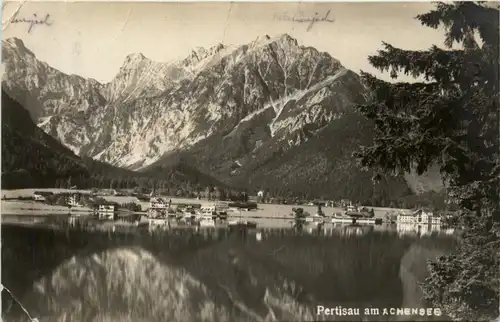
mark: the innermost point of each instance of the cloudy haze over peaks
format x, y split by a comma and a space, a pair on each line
94, 39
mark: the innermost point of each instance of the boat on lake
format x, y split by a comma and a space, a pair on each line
245, 206
316, 218
369, 221
340, 218
242, 223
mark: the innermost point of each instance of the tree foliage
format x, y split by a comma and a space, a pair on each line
449, 119
30, 157
179, 179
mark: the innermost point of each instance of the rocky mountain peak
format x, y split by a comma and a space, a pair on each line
283, 39
16, 45
44, 90
198, 53
132, 60
261, 39
14, 41
201, 53
286, 38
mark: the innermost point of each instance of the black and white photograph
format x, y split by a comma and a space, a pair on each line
250, 161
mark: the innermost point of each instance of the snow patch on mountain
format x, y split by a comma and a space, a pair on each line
313, 114
43, 121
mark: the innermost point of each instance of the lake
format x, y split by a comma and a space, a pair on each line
60, 272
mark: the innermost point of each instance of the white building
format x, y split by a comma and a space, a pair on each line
74, 201
435, 219
158, 203
406, 218
419, 217
208, 209
107, 211
106, 208
351, 208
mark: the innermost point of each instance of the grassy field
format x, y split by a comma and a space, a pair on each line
265, 210
24, 207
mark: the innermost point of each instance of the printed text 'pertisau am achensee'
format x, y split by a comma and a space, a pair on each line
372, 311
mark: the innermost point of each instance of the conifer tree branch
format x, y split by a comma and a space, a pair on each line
462, 18
451, 120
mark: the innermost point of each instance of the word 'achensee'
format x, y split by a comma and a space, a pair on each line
344, 311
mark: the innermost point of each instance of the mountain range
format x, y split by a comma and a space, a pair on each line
271, 114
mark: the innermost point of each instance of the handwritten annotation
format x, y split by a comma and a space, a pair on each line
32, 22
311, 20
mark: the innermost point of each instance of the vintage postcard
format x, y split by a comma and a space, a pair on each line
250, 161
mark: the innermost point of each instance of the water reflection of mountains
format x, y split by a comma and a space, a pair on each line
209, 275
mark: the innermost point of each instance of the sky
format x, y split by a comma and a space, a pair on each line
92, 39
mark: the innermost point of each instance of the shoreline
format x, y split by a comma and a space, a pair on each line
265, 210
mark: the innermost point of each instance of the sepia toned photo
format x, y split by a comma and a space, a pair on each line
250, 161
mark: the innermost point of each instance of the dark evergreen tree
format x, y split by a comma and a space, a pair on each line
450, 119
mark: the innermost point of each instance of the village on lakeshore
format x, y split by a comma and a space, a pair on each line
123, 207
